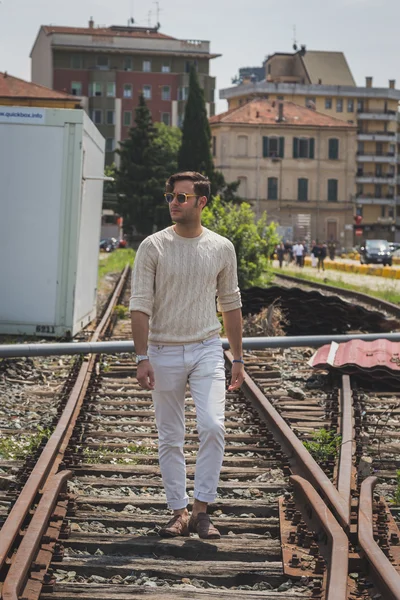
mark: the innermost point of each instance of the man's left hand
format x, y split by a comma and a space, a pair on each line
237, 377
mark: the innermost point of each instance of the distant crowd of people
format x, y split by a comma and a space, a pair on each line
296, 252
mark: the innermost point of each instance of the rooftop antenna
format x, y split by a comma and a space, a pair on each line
294, 38
149, 19
131, 20
158, 13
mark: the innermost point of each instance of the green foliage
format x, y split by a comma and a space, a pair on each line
115, 261
148, 157
324, 445
121, 311
195, 151
253, 241
110, 186
396, 499
23, 445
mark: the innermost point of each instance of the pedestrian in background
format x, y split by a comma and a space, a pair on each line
331, 249
314, 254
298, 251
176, 275
280, 251
321, 256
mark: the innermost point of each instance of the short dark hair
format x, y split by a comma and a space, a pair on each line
201, 183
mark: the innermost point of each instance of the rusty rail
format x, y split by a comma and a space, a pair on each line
59, 438
319, 516
27, 550
300, 459
384, 574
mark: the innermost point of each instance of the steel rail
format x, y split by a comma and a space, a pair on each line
301, 461
249, 343
385, 576
42, 469
317, 512
31, 541
371, 300
345, 467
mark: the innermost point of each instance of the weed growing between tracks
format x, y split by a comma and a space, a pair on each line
116, 261
324, 445
103, 455
390, 293
21, 446
396, 497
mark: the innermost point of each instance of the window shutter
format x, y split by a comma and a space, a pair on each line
312, 144
332, 190
265, 147
295, 147
302, 193
281, 147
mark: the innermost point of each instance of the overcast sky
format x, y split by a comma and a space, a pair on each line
243, 31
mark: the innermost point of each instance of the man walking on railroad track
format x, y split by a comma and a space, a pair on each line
177, 273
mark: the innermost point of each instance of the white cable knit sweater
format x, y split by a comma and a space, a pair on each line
175, 281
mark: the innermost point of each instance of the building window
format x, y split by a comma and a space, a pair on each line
166, 118
183, 93
383, 211
127, 93
110, 117
214, 145
147, 92
166, 68
339, 105
127, 118
350, 105
95, 89
111, 89
390, 212
96, 116
378, 170
102, 62
328, 103
110, 145
303, 147
128, 64
272, 188
273, 147
333, 149
332, 190
76, 62
379, 148
147, 66
378, 190
76, 88
302, 190
360, 106
360, 148
166, 92
242, 190
242, 145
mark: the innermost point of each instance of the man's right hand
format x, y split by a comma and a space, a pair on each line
145, 375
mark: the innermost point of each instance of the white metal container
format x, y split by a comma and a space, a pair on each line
51, 188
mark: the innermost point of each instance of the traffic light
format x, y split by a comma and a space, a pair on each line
358, 219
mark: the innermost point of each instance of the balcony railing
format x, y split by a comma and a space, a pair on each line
376, 111
375, 154
375, 196
389, 133
375, 175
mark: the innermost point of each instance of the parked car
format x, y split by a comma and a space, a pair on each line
376, 251
108, 244
394, 246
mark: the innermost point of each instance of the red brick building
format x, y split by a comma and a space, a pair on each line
109, 67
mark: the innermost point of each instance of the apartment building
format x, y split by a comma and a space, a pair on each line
295, 163
109, 67
323, 81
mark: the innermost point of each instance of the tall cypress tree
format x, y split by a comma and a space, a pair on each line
141, 176
195, 151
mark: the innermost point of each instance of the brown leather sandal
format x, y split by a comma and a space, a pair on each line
202, 525
177, 526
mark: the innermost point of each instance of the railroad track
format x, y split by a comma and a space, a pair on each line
291, 527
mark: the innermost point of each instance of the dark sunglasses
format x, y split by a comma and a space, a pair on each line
181, 197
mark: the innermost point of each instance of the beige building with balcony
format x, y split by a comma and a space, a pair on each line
295, 163
324, 81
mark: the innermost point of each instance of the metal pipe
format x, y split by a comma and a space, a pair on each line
345, 470
249, 343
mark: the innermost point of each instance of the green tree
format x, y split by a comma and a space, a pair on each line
254, 242
195, 151
148, 156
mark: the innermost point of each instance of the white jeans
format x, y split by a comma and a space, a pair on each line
202, 365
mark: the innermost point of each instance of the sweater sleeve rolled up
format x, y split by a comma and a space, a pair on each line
143, 278
227, 283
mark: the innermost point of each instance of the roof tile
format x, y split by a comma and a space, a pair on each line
106, 31
12, 87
